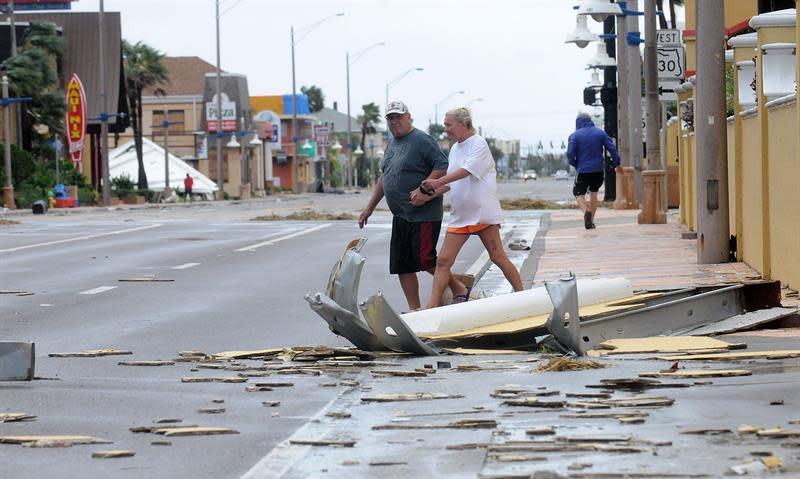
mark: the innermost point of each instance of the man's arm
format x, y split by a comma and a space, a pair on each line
377, 195
612, 150
435, 183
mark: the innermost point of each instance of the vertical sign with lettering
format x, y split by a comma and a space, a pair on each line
75, 121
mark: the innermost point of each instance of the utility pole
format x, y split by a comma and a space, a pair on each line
653, 206
351, 168
634, 78
608, 97
220, 179
104, 114
710, 134
8, 188
623, 123
17, 108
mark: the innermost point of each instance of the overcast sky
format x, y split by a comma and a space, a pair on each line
510, 53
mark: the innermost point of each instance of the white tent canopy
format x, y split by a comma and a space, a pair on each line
122, 161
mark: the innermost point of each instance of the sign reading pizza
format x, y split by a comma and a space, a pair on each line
75, 120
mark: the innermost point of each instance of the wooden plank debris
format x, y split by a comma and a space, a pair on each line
161, 443
460, 424
409, 397
154, 428
195, 431
777, 432
338, 414
686, 373
321, 442
271, 403
781, 354
604, 415
403, 374
534, 402
258, 353
540, 431
156, 362
566, 363
168, 420
658, 344
15, 416
211, 379
64, 440
707, 431
478, 352
113, 454
211, 410
145, 279
635, 384
91, 353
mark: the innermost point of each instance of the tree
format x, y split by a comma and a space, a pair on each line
436, 131
32, 73
369, 119
316, 99
143, 69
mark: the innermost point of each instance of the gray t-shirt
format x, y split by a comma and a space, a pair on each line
408, 161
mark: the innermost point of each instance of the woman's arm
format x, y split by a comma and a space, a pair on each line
435, 184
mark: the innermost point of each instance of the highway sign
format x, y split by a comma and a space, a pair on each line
670, 62
668, 38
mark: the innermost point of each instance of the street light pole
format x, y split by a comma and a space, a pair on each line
436, 106
295, 138
349, 127
419, 69
218, 129
104, 114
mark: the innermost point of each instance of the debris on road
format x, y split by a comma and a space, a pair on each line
460, 424
145, 279
306, 215
685, 373
271, 403
194, 431
409, 397
91, 353
113, 454
160, 443
781, 354
660, 344
52, 441
211, 379
534, 402
156, 362
168, 420
635, 384
321, 442
15, 416
566, 363
211, 410
338, 414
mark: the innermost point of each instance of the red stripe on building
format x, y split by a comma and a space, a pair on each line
738, 28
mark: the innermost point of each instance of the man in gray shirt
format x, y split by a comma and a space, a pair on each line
411, 157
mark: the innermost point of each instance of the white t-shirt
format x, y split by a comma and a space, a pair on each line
473, 199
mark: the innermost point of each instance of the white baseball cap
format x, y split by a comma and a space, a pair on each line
396, 107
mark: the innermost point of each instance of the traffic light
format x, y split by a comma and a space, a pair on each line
608, 95
589, 96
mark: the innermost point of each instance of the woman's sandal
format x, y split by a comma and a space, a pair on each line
462, 298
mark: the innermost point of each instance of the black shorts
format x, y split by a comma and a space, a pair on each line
413, 246
587, 181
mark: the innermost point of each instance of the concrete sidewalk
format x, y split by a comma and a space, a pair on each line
650, 256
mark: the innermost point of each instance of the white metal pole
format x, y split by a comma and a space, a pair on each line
349, 126
104, 114
295, 138
218, 129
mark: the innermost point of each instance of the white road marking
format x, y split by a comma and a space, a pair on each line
100, 289
79, 238
276, 240
186, 266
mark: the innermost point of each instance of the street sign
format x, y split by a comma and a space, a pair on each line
76, 118
666, 90
323, 135
670, 61
671, 38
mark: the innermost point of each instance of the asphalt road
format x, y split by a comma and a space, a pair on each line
224, 282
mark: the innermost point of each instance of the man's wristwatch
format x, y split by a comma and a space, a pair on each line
426, 191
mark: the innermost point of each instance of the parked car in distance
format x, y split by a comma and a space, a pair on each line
561, 175
529, 175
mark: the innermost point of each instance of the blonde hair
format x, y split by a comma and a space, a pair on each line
463, 116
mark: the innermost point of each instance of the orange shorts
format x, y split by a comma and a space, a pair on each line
468, 230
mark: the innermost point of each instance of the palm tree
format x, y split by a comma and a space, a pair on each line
369, 119
143, 69
316, 99
32, 73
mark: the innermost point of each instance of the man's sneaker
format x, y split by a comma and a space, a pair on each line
587, 220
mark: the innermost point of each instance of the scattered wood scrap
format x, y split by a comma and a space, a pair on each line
781, 354
211, 410
271, 403
153, 429
322, 442
635, 384
566, 363
255, 354
477, 352
777, 432
65, 440
404, 374
534, 402
116, 453
605, 415
195, 431
156, 362
15, 416
684, 373
338, 414
540, 431
658, 344
91, 353
409, 397
145, 279
460, 424
221, 379
707, 431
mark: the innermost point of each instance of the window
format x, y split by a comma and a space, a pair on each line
176, 116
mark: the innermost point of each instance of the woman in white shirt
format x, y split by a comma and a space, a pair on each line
475, 209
